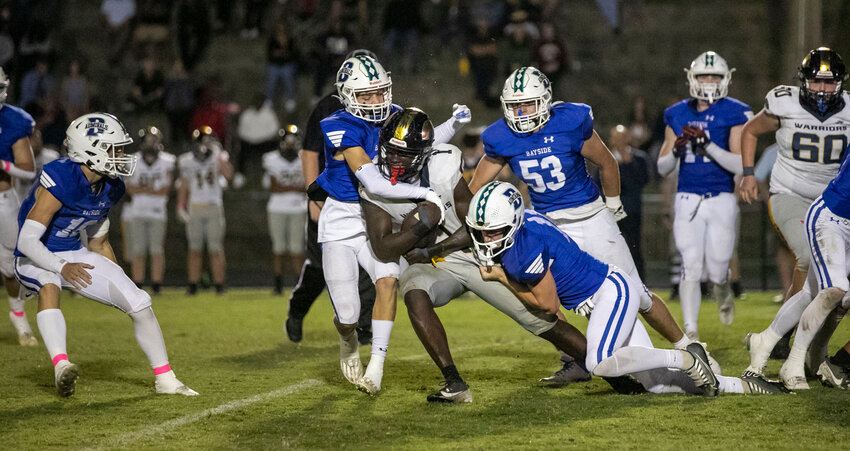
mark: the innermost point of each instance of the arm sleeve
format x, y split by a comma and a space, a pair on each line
727, 160
375, 183
667, 164
15, 171
29, 243
444, 132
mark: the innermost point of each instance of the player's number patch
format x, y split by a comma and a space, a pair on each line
808, 147
74, 227
533, 172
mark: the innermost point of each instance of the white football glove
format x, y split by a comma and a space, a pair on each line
585, 308
434, 198
462, 114
615, 206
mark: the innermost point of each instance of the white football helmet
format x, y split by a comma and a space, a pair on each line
497, 205
525, 85
97, 140
709, 63
363, 74
4, 87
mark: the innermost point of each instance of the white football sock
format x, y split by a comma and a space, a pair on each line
348, 344
16, 305
789, 314
683, 343
813, 318
633, 359
149, 337
770, 336
689, 293
730, 384
51, 324
381, 330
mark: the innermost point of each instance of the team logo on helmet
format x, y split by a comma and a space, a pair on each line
519, 80
96, 126
371, 70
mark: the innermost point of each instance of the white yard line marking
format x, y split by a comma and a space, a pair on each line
149, 432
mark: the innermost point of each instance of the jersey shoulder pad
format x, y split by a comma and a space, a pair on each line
341, 129
495, 136
674, 110
737, 105
60, 178
444, 163
269, 159
168, 158
572, 112
528, 259
783, 100
20, 120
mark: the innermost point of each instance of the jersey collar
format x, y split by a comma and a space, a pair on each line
823, 116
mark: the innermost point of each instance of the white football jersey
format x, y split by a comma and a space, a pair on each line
442, 174
155, 176
810, 149
203, 177
287, 173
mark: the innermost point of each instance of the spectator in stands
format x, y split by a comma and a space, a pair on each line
550, 54
634, 175
211, 112
638, 125
35, 45
258, 133
454, 27
119, 16
520, 35
148, 86
75, 91
192, 29
178, 100
36, 84
282, 66
402, 19
333, 45
484, 62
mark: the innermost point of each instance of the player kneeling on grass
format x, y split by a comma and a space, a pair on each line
546, 270
74, 195
406, 155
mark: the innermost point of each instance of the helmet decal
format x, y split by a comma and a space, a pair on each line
96, 126
369, 66
519, 80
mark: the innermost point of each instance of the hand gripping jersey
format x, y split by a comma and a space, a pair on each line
286, 173
836, 196
698, 174
810, 145
15, 124
442, 174
549, 160
342, 130
83, 204
153, 176
540, 246
204, 187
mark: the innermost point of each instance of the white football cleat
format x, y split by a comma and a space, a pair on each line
349, 358
792, 376
367, 385
168, 384
22, 327
371, 380
759, 352
65, 377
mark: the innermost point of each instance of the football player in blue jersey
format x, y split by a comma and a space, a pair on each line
546, 144
16, 163
74, 196
351, 143
703, 142
828, 232
546, 269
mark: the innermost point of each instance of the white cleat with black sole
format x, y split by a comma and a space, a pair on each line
759, 352
168, 384
65, 376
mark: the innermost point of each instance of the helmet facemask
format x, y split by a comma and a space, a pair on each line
821, 99
526, 89
709, 63
521, 122
361, 75
372, 112
402, 165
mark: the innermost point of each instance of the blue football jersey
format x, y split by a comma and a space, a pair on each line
836, 196
540, 246
81, 207
341, 131
549, 160
698, 174
15, 124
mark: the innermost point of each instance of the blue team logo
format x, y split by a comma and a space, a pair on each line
96, 126
345, 71
514, 197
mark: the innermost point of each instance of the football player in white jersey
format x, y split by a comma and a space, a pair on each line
16, 164
204, 172
546, 143
812, 125
75, 195
287, 205
150, 186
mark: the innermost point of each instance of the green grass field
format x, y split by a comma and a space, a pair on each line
259, 391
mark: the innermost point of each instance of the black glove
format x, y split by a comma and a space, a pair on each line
418, 255
681, 146
698, 139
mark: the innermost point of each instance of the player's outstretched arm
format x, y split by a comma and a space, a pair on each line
389, 246
487, 170
461, 115
609, 172
371, 179
543, 296
762, 123
24, 165
29, 241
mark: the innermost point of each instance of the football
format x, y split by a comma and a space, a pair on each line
413, 217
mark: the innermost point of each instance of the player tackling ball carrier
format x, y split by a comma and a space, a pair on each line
74, 196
